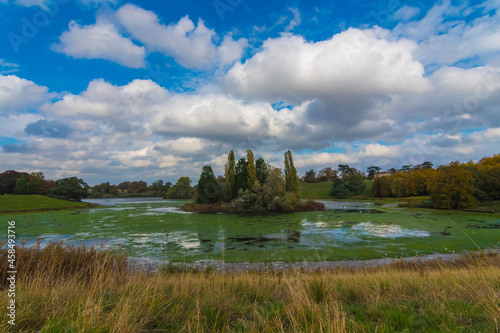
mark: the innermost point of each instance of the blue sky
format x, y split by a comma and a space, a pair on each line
122, 90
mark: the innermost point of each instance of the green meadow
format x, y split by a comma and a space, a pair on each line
32, 203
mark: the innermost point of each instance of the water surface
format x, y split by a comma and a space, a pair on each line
156, 229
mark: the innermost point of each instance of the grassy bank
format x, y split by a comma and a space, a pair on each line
36, 203
322, 190
316, 190
66, 289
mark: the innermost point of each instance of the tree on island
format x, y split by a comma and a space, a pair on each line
291, 177
250, 185
251, 170
208, 191
230, 176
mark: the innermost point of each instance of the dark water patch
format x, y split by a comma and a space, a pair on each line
484, 226
440, 233
261, 240
362, 211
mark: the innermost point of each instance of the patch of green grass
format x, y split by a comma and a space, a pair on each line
316, 190
34, 203
322, 190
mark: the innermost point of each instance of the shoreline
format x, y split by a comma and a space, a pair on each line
155, 265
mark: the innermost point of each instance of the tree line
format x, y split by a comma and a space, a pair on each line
453, 186
75, 189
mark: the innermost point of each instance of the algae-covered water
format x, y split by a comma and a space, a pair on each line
157, 229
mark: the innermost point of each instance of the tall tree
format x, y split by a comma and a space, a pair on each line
291, 177
241, 177
372, 170
251, 170
230, 175
21, 186
262, 170
345, 169
208, 188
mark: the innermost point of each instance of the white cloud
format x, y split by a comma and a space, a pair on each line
17, 94
28, 3
354, 62
100, 41
97, 2
378, 150
322, 160
406, 12
446, 42
295, 21
123, 109
192, 46
8, 67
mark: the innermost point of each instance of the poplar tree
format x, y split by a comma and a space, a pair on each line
287, 173
291, 177
251, 170
230, 175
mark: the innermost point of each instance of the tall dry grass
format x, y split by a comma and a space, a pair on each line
68, 289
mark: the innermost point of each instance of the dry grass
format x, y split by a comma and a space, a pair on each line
67, 289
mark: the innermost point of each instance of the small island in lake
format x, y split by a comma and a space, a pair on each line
250, 186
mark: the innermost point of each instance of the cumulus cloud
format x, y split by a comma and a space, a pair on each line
348, 78
103, 100
47, 128
191, 45
354, 62
17, 94
445, 42
378, 150
100, 41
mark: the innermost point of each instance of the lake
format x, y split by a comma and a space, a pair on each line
156, 229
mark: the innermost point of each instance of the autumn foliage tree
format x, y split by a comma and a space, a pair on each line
453, 187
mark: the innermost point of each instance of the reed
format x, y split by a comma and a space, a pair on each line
63, 288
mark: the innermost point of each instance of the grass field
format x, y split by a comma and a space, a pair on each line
63, 289
33, 203
316, 190
322, 190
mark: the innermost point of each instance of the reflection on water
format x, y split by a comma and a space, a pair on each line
387, 230
125, 201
